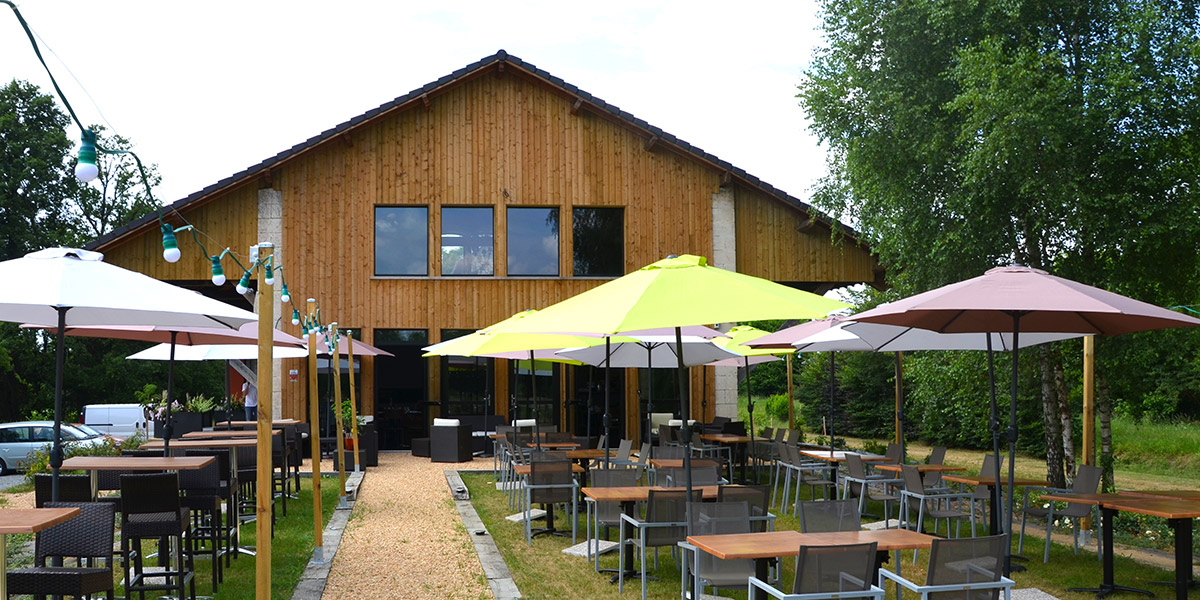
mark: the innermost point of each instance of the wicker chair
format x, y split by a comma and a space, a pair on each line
151, 510
202, 499
87, 537
71, 488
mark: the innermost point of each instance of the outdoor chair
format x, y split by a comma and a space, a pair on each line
706, 475
151, 510
813, 473
757, 498
71, 488
933, 479
623, 450
87, 538
935, 505
606, 514
983, 493
963, 568
279, 470
1087, 481
202, 499
665, 525
824, 572
706, 518
550, 482
225, 490
858, 485
820, 516
449, 441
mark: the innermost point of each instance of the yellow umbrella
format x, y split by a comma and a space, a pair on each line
675, 292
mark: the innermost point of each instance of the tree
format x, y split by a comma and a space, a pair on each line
35, 179
119, 195
1059, 134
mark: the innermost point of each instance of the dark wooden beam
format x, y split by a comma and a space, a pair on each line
651, 142
577, 105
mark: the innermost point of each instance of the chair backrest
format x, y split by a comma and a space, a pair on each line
706, 475
550, 471
832, 569
668, 506
912, 479
671, 452
1087, 479
967, 560
854, 468
893, 452
768, 433
780, 435
793, 437
88, 535
71, 488
149, 493
609, 513
817, 516
623, 449
557, 455
937, 455
756, 497
707, 518
666, 435
988, 469
204, 481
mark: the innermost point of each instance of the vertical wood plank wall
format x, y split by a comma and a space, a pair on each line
499, 140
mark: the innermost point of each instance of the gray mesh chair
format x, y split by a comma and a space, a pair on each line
606, 514
706, 475
550, 482
962, 569
933, 479
665, 525
1087, 481
706, 518
934, 505
858, 485
757, 497
818, 516
824, 572
87, 537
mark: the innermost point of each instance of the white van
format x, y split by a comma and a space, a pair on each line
118, 420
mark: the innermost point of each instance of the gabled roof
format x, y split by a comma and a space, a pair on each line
500, 60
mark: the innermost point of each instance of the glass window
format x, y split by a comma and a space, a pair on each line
467, 241
466, 381
401, 240
533, 241
546, 401
599, 238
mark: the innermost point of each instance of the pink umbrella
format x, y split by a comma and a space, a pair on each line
1015, 299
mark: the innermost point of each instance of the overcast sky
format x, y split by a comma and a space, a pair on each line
206, 89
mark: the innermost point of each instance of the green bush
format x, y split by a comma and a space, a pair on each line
110, 447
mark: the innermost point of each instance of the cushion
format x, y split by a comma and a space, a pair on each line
445, 423
524, 423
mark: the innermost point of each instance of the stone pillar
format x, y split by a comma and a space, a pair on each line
724, 238
270, 229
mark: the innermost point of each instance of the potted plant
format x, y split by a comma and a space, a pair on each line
368, 451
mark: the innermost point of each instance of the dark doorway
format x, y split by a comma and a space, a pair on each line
466, 382
658, 392
401, 395
545, 405
585, 379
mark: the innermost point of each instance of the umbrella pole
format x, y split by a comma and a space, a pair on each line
647, 434
997, 497
228, 401
685, 431
587, 414
900, 404
170, 398
607, 423
750, 415
1012, 431
537, 437
832, 374
60, 359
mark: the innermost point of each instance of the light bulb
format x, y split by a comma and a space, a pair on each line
243, 284
85, 164
268, 275
286, 297
170, 246
218, 273
295, 316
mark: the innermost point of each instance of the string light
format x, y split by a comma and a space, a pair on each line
295, 317
85, 164
218, 273
171, 252
243, 285
268, 272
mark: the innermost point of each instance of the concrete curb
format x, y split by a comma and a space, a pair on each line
312, 583
494, 568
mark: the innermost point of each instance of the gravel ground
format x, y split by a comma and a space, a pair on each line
405, 538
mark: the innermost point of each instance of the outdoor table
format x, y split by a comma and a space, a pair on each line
235, 433
988, 480
523, 471
895, 467
839, 456
584, 456
1179, 513
677, 463
734, 442
763, 546
26, 520
553, 445
253, 423
629, 496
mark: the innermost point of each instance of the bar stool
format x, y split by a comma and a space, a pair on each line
151, 510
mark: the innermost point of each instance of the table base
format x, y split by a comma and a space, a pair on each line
1105, 590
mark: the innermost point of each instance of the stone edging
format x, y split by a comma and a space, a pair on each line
312, 583
498, 576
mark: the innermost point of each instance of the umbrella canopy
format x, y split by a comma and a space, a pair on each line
509, 345
197, 352
187, 336
1020, 299
844, 334
63, 287
361, 348
649, 351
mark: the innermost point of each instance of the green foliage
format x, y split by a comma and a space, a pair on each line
777, 407
40, 463
199, 403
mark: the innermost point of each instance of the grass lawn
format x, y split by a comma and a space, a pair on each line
541, 571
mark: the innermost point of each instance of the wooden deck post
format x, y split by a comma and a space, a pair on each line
314, 436
265, 484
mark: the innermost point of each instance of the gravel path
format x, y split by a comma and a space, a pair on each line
405, 538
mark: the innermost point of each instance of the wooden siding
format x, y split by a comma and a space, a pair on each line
769, 245
499, 140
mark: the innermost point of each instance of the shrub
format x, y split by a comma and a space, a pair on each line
110, 447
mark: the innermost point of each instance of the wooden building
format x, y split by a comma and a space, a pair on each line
492, 190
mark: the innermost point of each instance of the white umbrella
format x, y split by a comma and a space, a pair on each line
214, 352
64, 287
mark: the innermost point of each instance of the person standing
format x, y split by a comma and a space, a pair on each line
251, 393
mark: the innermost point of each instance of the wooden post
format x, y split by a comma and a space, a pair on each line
791, 410
314, 436
337, 412
265, 490
353, 404
1089, 409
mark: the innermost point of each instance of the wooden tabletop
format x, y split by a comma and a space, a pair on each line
193, 443
253, 423
982, 480
839, 456
787, 543
524, 469
237, 433
1157, 507
33, 520
725, 438
589, 453
558, 445
677, 463
1179, 494
1091, 499
922, 468
639, 493
136, 463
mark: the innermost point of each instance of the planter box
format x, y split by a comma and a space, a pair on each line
184, 422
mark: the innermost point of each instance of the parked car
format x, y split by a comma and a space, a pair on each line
19, 441
118, 420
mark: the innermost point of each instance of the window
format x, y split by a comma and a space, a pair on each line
533, 241
599, 238
466, 381
546, 401
467, 241
401, 240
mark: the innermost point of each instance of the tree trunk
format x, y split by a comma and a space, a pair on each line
1104, 411
1053, 433
1064, 415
